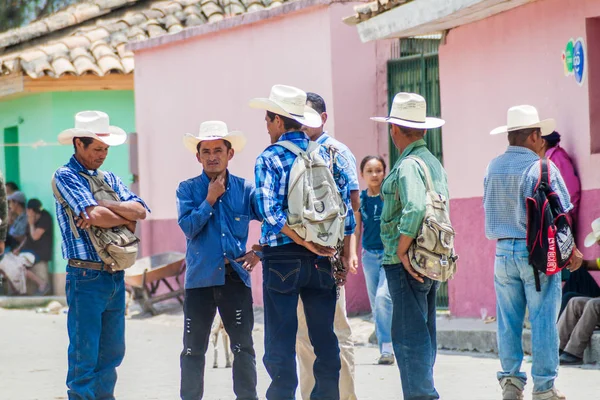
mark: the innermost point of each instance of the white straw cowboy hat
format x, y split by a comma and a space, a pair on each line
95, 125
290, 102
594, 235
410, 110
525, 117
214, 130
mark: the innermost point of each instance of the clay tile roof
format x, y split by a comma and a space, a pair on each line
367, 11
90, 37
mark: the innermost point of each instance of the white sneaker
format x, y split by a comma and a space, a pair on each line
512, 389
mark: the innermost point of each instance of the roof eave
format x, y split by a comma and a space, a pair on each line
424, 17
229, 23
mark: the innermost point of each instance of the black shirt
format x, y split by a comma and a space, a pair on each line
42, 248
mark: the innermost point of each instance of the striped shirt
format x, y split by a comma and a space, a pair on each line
75, 189
272, 171
511, 178
347, 162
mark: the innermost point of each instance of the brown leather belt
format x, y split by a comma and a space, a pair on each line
98, 266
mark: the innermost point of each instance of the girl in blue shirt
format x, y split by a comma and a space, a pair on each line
372, 170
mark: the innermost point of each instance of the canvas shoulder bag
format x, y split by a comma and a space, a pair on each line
432, 252
117, 246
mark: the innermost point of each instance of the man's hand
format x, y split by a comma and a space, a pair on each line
340, 277
16, 251
576, 260
31, 220
2, 247
409, 268
350, 262
131, 226
402, 252
249, 261
82, 222
318, 249
216, 188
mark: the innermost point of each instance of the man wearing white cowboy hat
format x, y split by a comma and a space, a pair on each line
343, 331
95, 293
582, 314
291, 266
413, 295
509, 180
214, 211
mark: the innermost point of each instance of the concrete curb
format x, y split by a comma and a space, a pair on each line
484, 341
30, 301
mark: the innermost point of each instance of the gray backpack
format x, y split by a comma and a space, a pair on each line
118, 246
316, 211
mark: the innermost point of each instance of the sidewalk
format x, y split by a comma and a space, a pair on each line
459, 334
465, 334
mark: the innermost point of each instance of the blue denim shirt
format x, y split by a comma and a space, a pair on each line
509, 180
215, 233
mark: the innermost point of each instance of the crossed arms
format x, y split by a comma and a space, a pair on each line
100, 213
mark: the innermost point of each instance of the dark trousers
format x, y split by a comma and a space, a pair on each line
234, 301
413, 331
290, 271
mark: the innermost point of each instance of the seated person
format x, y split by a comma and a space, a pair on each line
576, 326
582, 314
580, 283
11, 187
39, 242
18, 228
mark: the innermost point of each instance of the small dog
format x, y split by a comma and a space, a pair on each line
216, 329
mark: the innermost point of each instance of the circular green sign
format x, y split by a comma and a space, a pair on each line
569, 56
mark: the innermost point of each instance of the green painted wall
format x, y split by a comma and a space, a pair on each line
42, 117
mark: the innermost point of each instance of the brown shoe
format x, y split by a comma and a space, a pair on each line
552, 394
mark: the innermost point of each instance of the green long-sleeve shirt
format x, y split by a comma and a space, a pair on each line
404, 194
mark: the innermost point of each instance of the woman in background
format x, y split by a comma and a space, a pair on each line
372, 170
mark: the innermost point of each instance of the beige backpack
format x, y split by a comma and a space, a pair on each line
432, 252
316, 211
118, 246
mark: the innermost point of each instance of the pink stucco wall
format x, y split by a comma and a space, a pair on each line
486, 67
213, 76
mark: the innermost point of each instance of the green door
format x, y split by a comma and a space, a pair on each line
11, 155
415, 69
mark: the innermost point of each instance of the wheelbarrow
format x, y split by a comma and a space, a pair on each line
148, 273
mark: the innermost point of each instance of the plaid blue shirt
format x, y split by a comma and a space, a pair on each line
509, 180
348, 163
272, 173
75, 189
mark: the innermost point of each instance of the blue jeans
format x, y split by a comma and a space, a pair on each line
413, 331
514, 281
379, 294
290, 271
96, 327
